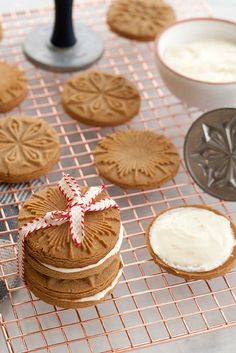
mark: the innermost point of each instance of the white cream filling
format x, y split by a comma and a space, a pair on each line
104, 292
113, 252
192, 239
207, 60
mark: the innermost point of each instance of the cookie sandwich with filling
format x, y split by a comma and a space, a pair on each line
69, 244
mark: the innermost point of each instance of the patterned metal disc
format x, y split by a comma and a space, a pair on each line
210, 153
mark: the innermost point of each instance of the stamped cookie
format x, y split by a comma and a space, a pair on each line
13, 86
69, 244
29, 148
100, 99
139, 19
52, 246
194, 242
137, 159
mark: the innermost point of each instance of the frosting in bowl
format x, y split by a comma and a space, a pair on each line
192, 239
208, 60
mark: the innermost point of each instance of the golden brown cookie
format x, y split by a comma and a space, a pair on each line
219, 271
55, 247
13, 86
29, 148
139, 19
100, 98
137, 159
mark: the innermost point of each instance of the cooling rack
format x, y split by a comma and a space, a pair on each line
148, 306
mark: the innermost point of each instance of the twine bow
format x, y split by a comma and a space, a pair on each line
77, 206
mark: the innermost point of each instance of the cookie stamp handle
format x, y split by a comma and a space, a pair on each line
63, 46
63, 35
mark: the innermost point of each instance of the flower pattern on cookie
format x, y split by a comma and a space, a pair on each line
13, 86
139, 19
143, 155
100, 98
26, 144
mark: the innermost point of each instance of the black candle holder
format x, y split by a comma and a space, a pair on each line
66, 47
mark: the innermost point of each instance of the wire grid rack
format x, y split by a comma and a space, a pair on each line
148, 305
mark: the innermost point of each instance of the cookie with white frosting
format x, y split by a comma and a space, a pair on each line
89, 290
194, 242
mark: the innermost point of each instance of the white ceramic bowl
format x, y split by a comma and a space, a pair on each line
201, 94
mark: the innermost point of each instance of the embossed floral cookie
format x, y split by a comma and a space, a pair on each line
139, 19
29, 148
13, 86
69, 244
100, 98
137, 159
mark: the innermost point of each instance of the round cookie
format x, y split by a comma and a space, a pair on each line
192, 272
54, 247
29, 148
139, 19
13, 86
136, 159
100, 98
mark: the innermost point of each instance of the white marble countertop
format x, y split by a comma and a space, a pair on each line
220, 341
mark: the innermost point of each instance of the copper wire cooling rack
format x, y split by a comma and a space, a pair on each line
148, 305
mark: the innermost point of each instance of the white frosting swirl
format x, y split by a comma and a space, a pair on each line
113, 251
207, 60
192, 239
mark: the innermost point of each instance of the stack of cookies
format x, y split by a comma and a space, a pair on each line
56, 267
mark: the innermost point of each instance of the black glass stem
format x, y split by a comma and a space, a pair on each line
63, 32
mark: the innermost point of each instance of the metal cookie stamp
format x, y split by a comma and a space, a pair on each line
69, 48
210, 153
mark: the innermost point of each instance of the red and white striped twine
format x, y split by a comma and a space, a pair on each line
77, 206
